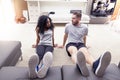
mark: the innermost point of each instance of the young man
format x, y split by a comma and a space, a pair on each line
76, 33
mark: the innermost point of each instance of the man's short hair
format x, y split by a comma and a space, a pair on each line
78, 15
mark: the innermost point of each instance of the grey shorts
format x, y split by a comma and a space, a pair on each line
77, 45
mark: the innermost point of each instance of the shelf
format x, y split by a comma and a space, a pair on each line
59, 0
59, 22
77, 1
44, 0
36, 7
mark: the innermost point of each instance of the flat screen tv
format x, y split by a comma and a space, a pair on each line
103, 7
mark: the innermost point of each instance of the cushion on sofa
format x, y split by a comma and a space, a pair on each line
70, 72
10, 51
21, 73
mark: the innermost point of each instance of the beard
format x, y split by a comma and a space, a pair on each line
75, 23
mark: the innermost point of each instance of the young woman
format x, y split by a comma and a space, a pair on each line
40, 63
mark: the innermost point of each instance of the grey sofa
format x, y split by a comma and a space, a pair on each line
72, 73
10, 51
66, 72
21, 73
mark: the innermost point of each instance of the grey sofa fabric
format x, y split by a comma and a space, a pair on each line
10, 51
21, 73
67, 72
70, 72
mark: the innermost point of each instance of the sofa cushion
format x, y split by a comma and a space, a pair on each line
112, 72
8, 50
21, 73
70, 72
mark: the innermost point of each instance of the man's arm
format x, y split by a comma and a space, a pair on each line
85, 35
65, 39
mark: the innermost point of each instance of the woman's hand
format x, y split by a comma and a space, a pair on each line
34, 46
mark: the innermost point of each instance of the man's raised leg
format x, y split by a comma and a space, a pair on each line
88, 57
73, 52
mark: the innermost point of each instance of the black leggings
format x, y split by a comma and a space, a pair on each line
42, 49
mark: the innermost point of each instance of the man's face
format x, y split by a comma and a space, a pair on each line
75, 19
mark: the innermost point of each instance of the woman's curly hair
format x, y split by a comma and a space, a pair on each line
42, 23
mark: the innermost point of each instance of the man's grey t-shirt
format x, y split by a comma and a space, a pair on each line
46, 38
76, 33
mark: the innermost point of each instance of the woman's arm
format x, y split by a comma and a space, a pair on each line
37, 39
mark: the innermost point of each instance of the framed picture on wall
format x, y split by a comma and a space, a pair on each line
103, 7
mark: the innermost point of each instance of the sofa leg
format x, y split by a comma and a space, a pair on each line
21, 58
119, 65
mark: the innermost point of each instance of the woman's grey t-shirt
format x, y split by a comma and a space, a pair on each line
76, 33
46, 38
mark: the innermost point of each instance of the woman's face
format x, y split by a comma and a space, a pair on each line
48, 23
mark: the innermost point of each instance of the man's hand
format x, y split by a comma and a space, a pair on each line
88, 47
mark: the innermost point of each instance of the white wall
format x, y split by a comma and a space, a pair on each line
1, 13
6, 11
